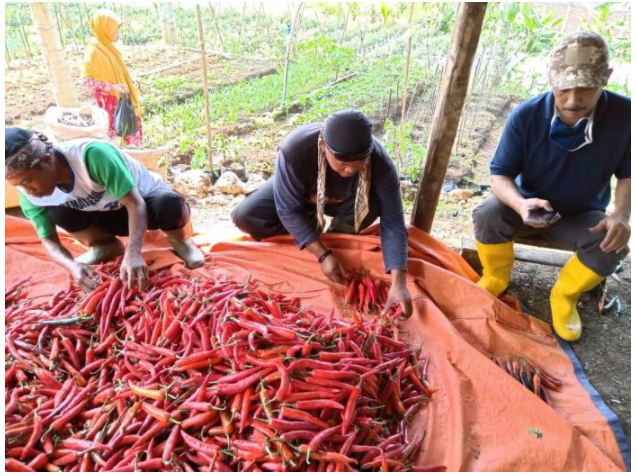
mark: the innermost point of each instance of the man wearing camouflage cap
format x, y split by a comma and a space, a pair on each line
551, 176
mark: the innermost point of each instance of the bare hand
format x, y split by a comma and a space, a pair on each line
530, 204
617, 233
134, 270
399, 294
119, 90
85, 276
333, 269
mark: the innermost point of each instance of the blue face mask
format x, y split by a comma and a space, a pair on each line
571, 138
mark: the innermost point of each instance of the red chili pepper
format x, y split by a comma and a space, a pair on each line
156, 413
348, 416
232, 388
153, 394
198, 445
318, 405
291, 413
12, 464
36, 432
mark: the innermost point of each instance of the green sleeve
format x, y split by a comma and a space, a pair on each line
106, 166
39, 216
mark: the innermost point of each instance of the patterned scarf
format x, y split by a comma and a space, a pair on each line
361, 204
27, 157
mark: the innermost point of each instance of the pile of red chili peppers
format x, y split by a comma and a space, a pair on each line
532, 376
204, 376
364, 293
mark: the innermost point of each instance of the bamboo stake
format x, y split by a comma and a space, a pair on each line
404, 108
470, 96
413, 96
27, 51
453, 92
216, 24
79, 10
242, 17
204, 72
344, 27
397, 97
65, 17
57, 21
288, 50
6, 49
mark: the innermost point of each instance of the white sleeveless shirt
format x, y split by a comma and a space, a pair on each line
88, 195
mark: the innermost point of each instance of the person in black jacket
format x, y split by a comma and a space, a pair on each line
339, 169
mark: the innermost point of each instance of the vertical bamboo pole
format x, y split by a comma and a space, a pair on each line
53, 55
212, 10
6, 48
404, 107
82, 23
288, 50
57, 21
204, 72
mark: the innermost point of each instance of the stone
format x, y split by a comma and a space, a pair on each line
459, 194
408, 190
193, 183
254, 182
179, 168
230, 183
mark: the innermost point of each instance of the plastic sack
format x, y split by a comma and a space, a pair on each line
125, 121
66, 123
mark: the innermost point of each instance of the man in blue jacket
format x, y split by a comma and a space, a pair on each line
558, 153
339, 169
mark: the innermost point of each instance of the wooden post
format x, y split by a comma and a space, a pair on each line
204, 72
53, 55
448, 110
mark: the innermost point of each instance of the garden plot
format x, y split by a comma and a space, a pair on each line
28, 91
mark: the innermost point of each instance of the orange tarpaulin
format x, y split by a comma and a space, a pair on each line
480, 418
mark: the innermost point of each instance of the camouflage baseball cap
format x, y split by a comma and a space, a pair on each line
579, 61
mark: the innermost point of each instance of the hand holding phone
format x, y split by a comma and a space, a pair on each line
540, 217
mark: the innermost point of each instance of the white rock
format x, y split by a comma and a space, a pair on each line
231, 184
193, 183
459, 194
254, 182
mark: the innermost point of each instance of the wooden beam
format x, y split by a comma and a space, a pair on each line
522, 252
448, 110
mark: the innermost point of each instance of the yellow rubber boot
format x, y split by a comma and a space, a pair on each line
497, 263
574, 279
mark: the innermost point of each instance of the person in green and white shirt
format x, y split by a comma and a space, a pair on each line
95, 192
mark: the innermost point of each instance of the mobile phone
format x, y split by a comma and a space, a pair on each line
539, 216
